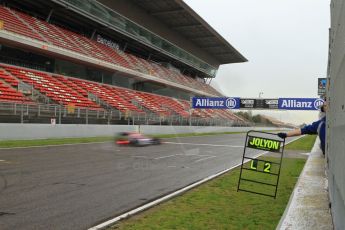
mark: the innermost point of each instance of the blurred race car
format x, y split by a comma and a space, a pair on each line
135, 139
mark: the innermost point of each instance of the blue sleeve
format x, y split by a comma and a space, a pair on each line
311, 129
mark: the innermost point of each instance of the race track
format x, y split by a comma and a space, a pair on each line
79, 186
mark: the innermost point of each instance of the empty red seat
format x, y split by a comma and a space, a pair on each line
55, 35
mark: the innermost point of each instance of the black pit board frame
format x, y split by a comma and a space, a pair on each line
254, 162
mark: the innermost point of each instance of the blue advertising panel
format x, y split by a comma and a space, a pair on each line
216, 102
300, 103
321, 86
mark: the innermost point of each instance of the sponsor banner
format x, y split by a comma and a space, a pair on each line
71, 108
300, 103
321, 86
247, 103
254, 103
270, 103
216, 103
264, 144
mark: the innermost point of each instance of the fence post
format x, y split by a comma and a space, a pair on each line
60, 114
22, 114
39, 110
109, 114
87, 116
15, 109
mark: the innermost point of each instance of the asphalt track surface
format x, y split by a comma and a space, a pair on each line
79, 186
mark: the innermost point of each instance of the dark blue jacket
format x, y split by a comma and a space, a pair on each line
317, 127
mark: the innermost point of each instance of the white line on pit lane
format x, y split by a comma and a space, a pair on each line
180, 143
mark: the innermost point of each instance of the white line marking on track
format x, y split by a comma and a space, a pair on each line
202, 159
171, 195
140, 157
5, 162
180, 143
186, 155
157, 158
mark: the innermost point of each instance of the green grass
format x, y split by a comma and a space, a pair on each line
218, 205
53, 141
305, 143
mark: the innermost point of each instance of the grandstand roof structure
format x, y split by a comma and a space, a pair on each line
163, 30
180, 17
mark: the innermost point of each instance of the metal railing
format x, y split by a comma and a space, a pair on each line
11, 112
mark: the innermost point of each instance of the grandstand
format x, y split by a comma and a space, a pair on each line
109, 62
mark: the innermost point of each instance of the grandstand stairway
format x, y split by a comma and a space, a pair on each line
51, 87
118, 103
8, 92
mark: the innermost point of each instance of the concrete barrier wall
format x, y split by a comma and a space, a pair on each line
195, 129
42, 131
335, 147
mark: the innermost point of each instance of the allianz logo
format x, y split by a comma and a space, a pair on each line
291, 103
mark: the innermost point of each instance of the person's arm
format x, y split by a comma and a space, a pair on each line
295, 132
292, 133
311, 129
308, 129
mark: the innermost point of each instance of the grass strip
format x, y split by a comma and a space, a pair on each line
305, 143
52, 141
218, 205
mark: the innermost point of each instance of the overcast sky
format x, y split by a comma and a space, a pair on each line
285, 41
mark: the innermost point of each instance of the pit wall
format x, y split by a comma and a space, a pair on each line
43, 131
335, 148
